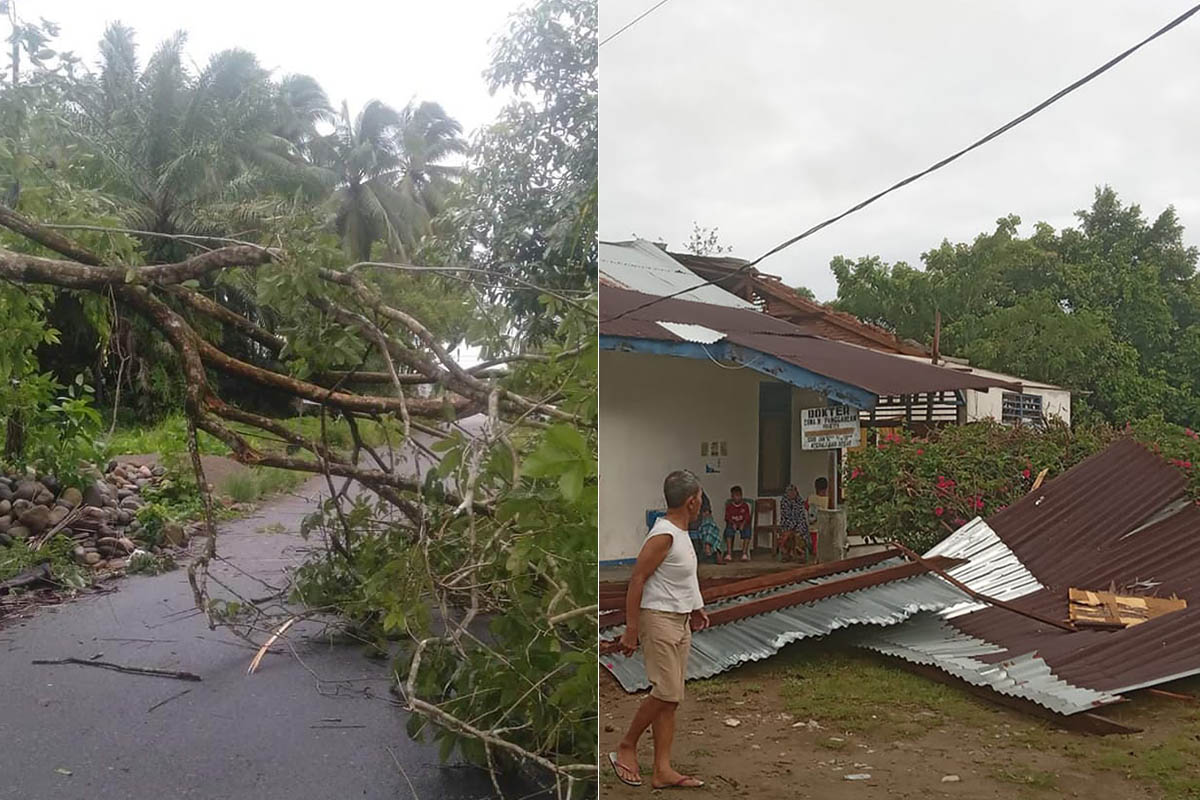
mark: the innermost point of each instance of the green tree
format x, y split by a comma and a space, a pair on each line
706, 242
391, 176
528, 208
1110, 309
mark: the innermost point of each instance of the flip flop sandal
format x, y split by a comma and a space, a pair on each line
682, 784
618, 766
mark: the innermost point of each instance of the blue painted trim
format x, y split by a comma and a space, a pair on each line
837, 391
618, 562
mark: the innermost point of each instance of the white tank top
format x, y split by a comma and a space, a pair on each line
673, 586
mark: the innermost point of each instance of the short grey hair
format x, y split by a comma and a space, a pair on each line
679, 487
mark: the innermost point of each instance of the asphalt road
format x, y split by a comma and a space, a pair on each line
81, 733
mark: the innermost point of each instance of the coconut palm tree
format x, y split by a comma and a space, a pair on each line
181, 150
391, 174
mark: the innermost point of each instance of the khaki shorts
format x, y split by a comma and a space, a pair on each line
666, 639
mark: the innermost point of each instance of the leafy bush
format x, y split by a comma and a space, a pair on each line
917, 490
154, 517
58, 553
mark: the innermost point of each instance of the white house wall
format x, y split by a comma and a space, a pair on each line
654, 413
988, 404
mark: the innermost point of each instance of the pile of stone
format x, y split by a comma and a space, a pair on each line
101, 519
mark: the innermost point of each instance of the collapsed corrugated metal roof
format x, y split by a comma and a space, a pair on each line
749, 626
870, 370
1113, 520
1119, 519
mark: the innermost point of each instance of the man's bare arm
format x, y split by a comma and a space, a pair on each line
653, 552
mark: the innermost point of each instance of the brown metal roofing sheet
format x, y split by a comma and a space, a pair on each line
1075, 532
876, 372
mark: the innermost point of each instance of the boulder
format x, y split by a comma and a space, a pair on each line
71, 497
6, 481
92, 559
44, 498
79, 554
144, 471
159, 470
95, 493
6, 492
110, 545
36, 518
19, 506
125, 517
124, 492
5, 540
117, 563
27, 490
51, 483
127, 544
174, 534
5, 506
58, 514
18, 532
6, 522
132, 503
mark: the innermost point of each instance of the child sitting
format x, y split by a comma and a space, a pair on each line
737, 521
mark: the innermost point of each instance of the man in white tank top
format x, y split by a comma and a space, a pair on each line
662, 608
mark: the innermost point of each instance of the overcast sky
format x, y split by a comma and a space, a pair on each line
764, 117
358, 49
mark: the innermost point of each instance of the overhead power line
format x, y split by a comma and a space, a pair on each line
911, 178
631, 23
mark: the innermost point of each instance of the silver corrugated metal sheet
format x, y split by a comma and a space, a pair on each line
641, 266
726, 646
925, 639
992, 569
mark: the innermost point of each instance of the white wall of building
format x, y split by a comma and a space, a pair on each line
1056, 402
654, 413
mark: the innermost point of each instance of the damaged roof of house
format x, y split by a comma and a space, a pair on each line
1119, 521
881, 374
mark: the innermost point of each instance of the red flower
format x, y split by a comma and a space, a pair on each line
937, 512
854, 473
979, 503
1025, 473
920, 452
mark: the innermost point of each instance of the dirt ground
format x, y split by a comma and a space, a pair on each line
816, 714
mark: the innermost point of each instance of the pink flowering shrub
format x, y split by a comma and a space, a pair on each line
919, 489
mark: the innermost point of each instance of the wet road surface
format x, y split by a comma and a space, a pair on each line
276, 734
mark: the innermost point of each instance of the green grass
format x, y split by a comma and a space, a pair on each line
1034, 779
255, 483
853, 690
1172, 764
168, 436
710, 689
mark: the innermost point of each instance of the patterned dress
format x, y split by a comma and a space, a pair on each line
793, 521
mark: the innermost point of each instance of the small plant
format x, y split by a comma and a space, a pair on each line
142, 562
153, 517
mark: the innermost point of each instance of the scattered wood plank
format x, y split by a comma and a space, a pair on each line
1108, 610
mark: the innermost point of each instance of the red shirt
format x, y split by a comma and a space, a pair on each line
737, 515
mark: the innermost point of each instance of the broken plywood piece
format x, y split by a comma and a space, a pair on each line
1110, 610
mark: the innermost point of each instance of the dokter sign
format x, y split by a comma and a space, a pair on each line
830, 428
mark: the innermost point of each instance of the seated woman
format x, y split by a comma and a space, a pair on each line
705, 534
793, 526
